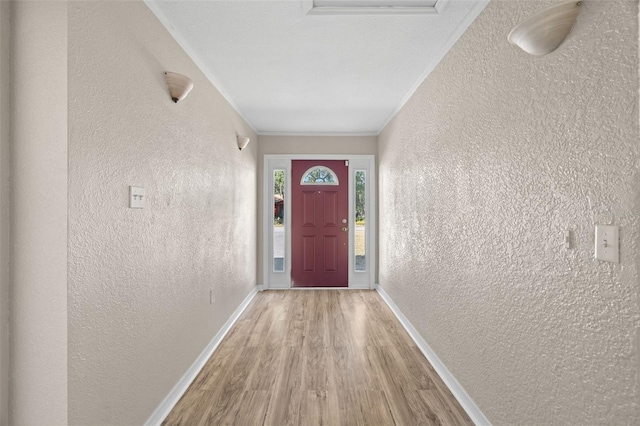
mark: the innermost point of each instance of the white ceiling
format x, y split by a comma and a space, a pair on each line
289, 72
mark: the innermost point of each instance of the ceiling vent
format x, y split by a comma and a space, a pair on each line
374, 7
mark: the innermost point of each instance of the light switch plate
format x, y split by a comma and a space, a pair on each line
137, 197
607, 243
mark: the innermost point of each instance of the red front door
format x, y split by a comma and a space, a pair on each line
319, 223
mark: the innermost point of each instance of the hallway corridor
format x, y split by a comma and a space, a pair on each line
317, 357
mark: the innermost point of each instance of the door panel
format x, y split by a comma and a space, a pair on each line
308, 208
330, 208
308, 253
319, 203
331, 253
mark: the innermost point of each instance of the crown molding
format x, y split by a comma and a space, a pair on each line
334, 134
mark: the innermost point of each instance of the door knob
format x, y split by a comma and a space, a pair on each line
345, 229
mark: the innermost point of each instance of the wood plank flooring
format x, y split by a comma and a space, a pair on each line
317, 357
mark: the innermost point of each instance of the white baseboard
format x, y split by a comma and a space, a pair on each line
456, 389
278, 287
360, 287
320, 288
327, 288
181, 387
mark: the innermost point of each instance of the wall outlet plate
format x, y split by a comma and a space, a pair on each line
607, 243
137, 197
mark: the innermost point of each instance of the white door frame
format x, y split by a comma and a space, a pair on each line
282, 280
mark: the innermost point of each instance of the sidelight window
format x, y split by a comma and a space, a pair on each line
360, 221
278, 221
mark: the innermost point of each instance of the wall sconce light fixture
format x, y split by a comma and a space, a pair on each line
179, 85
543, 32
243, 141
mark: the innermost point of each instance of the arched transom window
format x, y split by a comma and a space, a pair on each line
319, 175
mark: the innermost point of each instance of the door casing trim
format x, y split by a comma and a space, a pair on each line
282, 280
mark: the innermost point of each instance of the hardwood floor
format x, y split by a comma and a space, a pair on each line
317, 357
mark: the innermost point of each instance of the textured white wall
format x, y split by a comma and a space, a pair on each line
355, 145
5, 111
38, 338
495, 155
139, 280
